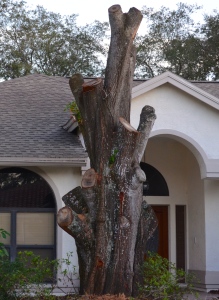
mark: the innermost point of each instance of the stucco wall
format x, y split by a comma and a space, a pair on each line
196, 217
177, 110
62, 180
211, 191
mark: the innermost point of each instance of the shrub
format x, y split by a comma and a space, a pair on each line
161, 280
3, 251
27, 274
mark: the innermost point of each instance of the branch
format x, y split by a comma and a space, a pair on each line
126, 141
121, 60
75, 83
77, 225
88, 97
75, 200
88, 184
146, 123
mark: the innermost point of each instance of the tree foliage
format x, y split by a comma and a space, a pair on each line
171, 42
175, 42
45, 42
210, 29
37, 40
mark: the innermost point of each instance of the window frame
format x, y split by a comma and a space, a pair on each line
13, 247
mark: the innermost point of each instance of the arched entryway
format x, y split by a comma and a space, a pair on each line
184, 205
27, 212
156, 185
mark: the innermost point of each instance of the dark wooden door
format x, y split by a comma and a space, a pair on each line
161, 212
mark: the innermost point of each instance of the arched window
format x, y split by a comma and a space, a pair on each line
27, 212
155, 184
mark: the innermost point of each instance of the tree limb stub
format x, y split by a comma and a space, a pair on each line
65, 217
119, 70
127, 125
90, 85
76, 82
88, 184
89, 179
146, 123
132, 21
77, 225
75, 200
89, 98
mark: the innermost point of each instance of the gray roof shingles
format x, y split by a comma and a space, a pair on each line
32, 110
211, 87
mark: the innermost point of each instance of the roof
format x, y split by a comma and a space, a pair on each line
211, 87
33, 118
32, 110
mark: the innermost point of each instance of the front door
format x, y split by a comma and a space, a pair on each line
161, 212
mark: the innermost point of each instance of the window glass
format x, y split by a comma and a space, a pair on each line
5, 223
35, 228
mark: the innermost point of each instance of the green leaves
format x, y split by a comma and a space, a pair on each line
41, 41
175, 42
162, 279
73, 108
112, 158
3, 251
30, 273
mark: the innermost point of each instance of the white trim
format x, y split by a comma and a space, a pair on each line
178, 82
209, 168
29, 161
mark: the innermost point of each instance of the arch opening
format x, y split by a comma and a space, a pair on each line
27, 212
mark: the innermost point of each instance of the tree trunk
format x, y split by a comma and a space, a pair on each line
107, 216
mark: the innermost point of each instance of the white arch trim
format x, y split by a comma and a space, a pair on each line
209, 168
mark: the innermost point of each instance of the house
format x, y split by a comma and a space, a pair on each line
184, 149
40, 162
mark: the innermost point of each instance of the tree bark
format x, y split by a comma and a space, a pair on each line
107, 215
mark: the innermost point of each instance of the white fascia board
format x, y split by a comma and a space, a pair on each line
178, 82
27, 161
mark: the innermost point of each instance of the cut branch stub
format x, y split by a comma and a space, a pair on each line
75, 200
75, 83
90, 85
127, 125
77, 225
64, 217
89, 179
146, 123
120, 63
89, 99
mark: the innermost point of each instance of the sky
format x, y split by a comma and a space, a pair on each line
90, 10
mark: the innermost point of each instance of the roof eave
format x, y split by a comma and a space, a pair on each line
178, 82
58, 162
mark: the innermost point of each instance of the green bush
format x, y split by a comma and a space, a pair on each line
27, 274
161, 280
3, 251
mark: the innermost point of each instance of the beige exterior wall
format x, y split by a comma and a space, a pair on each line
211, 193
62, 180
181, 172
182, 115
